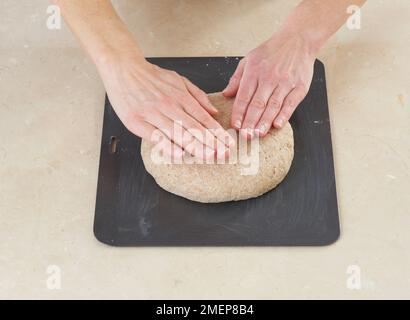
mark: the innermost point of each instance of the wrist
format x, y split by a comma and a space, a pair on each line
311, 40
113, 62
113, 41
108, 55
109, 50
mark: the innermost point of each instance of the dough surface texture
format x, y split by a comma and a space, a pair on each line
215, 182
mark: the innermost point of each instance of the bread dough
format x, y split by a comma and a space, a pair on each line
227, 182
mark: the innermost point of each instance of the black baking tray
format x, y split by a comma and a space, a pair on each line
132, 210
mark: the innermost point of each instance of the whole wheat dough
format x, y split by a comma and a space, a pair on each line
224, 182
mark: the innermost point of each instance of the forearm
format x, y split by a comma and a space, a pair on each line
317, 20
99, 29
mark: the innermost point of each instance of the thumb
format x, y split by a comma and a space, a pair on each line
233, 85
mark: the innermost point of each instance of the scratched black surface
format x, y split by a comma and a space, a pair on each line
132, 210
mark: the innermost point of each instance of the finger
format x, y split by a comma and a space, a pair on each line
272, 109
290, 103
207, 121
233, 85
148, 132
243, 98
180, 136
177, 113
200, 96
257, 106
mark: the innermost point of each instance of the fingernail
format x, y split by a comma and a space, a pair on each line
209, 153
238, 124
232, 142
279, 122
222, 152
263, 128
247, 133
178, 153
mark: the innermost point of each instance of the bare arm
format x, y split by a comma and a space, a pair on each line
274, 78
148, 100
100, 30
318, 20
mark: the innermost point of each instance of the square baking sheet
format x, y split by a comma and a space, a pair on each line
132, 210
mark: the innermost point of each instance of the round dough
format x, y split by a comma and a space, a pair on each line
224, 182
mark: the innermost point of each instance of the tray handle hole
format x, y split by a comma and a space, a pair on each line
113, 145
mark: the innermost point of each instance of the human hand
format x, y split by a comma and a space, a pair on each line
269, 83
147, 98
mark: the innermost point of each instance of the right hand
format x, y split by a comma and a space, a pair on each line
147, 97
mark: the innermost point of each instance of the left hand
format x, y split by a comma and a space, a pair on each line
269, 83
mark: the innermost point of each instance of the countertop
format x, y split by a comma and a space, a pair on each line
51, 109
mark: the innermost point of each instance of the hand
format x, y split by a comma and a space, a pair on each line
269, 83
147, 98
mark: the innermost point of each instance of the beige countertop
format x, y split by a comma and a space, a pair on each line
51, 107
